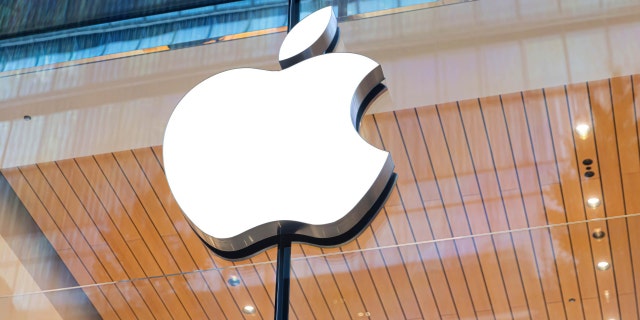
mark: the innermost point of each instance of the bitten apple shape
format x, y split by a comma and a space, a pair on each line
254, 155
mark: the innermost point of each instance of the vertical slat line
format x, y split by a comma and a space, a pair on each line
635, 117
111, 278
253, 301
97, 228
386, 267
524, 207
333, 277
533, 153
424, 142
395, 240
318, 283
119, 232
134, 225
66, 239
504, 207
544, 204
464, 206
371, 276
393, 234
415, 179
243, 286
157, 159
264, 287
213, 261
180, 237
603, 201
486, 216
468, 225
624, 199
406, 271
444, 208
564, 207
208, 252
624, 205
635, 114
364, 304
154, 226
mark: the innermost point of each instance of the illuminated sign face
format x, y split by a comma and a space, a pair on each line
254, 155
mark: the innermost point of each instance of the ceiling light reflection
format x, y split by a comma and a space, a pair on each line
603, 265
593, 202
249, 309
583, 130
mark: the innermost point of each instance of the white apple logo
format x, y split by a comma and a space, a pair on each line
253, 155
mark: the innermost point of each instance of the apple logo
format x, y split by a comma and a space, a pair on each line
253, 155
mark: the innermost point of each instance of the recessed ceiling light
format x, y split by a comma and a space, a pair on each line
233, 281
583, 130
598, 234
593, 202
603, 265
249, 309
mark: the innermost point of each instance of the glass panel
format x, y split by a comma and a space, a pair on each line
560, 271
177, 29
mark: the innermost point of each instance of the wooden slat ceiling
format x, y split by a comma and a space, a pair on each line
487, 221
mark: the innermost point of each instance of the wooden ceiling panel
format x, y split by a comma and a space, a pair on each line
488, 219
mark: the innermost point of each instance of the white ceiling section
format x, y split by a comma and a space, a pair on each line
429, 56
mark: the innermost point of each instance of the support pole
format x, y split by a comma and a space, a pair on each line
294, 14
283, 275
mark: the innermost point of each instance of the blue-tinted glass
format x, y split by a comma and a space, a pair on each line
88, 46
269, 18
6, 55
187, 27
54, 51
155, 36
230, 24
264, 2
309, 6
404, 3
122, 41
21, 57
232, 5
192, 30
366, 6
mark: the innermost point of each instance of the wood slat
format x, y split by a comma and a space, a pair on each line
402, 215
552, 201
113, 232
363, 278
442, 173
503, 160
476, 226
493, 206
422, 187
197, 255
525, 200
561, 126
